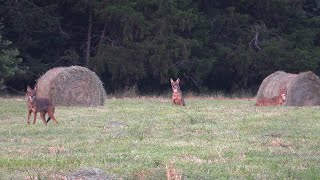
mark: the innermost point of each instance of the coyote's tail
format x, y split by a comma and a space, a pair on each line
50, 113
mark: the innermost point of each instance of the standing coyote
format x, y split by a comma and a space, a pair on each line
274, 101
42, 105
176, 94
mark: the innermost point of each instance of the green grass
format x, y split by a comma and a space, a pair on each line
207, 139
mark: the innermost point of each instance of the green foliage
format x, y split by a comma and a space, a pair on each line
9, 60
157, 39
211, 45
255, 38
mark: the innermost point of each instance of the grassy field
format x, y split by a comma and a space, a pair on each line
137, 138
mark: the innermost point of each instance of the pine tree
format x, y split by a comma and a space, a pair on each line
9, 60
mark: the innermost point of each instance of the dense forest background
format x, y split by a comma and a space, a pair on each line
212, 45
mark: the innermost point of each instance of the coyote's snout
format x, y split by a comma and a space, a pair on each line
42, 105
176, 94
274, 101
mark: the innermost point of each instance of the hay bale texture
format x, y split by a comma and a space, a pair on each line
71, 86
303, 89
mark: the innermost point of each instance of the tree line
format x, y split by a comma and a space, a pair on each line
221, 45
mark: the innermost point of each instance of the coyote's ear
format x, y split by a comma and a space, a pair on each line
178, 80
28, 88
171, 80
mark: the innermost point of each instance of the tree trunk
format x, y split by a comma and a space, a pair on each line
89, 38
97, 64
102, 38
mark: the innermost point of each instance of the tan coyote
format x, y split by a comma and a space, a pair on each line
36, 104
274, 101
176, 94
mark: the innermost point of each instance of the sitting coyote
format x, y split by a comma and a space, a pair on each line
176, 94
274, 101
42, 105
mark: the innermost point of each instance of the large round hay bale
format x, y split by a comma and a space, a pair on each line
271, 84
71, 86
303, 89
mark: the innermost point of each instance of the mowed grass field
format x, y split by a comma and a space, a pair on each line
136, 138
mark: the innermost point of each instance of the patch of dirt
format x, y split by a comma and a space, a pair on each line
90, 174
278, 142
57, 149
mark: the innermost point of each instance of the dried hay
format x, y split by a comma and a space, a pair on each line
303, 89
72, 86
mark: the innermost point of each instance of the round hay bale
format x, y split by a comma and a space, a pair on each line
271, 84
303, 89
72, 86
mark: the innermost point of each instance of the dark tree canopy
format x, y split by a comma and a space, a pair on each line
211, 45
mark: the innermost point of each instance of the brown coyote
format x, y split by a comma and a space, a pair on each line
36, 104
274, 101
176, 94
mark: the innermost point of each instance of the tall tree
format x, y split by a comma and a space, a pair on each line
255, 38
9, 60
211, 45
148, 40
